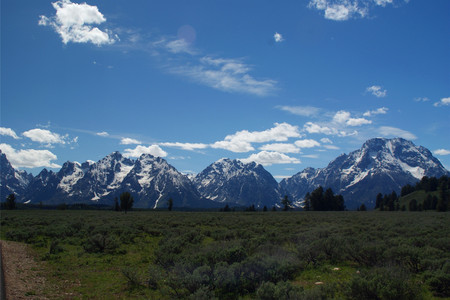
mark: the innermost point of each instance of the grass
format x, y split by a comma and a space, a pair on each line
161, 255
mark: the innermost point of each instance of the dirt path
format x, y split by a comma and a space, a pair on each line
23, 279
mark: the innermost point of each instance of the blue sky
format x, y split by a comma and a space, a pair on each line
289, 84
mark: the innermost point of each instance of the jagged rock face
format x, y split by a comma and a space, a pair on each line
231, 181
380, 166
12, 181
151, 181
155, 181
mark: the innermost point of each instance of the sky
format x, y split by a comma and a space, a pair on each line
289, 85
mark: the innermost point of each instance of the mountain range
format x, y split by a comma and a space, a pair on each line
380, 166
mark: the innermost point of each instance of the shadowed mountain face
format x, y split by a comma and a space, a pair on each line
231, 181
380, 166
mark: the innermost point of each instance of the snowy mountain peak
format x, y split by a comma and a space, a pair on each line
380, 165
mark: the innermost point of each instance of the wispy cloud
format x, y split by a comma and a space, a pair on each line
377, 91
422, 99
185, 146
280, 147
74, 23
8, 132
29, 158
442, 152
443, 102
379, 111
129, 141
388, 131
304, 111
228, 75
103, 133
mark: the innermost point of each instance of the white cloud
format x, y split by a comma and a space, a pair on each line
8, 132
267, 158
331, 147
377, 91
311, 156
379, 111
129, 141
342, 10
382, 2
233, 146
103, 133
326, 141
29, 158
305, 111
278, 37
344, 117
73, 22
179, 46
45, 136
154, 150
442, 152
311, 127
396, 132
185, 146
443, 102
358, 122
280, 147
307, 143
339, 10
229, 75
422, 99
241, 140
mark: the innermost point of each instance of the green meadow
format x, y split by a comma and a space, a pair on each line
238, 255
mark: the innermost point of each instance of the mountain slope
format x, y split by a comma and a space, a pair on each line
380, 166
12, 180
232, 181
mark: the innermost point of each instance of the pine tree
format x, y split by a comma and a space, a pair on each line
126, 201
170, 204
286, 203
11, 201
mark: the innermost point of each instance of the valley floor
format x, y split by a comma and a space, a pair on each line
54, 254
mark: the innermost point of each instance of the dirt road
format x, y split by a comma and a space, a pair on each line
22, 274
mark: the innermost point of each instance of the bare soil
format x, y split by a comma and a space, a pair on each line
23, 274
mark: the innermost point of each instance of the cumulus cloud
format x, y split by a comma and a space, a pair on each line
339, 10
396, 132
74, 23
342, 10
307, 143
103, 133
311, 127
304, 111
29, 158
278, 37
185, 146
443, 102
442, 152
233, 146
267, 158
129, 141
45, 136
344, 117
379, 111
377, 91
241, 140
8, 132
154, 150
280, 147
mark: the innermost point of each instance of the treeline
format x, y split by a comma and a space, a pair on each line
320, 200
436, 196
